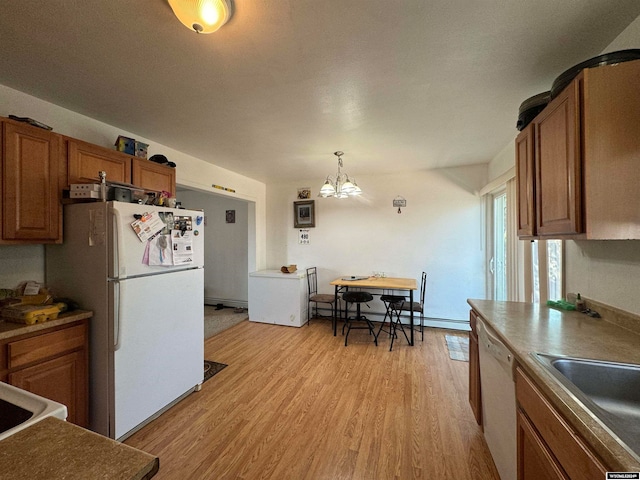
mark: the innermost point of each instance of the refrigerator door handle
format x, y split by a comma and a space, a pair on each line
118, 244
116, 316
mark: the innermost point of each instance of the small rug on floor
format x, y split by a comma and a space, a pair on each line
217, 320
458, 347
211, 368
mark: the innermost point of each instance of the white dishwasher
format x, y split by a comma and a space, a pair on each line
498, 400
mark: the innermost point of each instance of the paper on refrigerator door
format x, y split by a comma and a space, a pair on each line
160, 252
147, 226
182, 246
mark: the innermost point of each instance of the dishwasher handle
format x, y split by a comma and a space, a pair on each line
491, 344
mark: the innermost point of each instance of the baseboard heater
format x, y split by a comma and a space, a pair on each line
446, 323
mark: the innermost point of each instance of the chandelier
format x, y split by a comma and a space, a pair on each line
202, 16
340, 186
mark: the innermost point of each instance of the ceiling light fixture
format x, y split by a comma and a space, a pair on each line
340, 186
202, 16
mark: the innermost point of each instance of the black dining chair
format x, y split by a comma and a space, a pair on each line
389, 300
357, 298
314, 296
418, 307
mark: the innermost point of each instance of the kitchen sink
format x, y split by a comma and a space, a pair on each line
609, 390
20, 409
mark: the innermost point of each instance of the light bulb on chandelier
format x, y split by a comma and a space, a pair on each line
340, 185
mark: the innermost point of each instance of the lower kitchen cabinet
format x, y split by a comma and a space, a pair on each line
535, 460
475, 398
548, 448
52, 363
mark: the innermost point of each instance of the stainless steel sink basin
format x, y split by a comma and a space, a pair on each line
20, 409
611, 391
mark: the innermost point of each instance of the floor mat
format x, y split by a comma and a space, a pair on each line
458, 347
211, 368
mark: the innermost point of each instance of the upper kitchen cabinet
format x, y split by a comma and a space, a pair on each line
525, 178
87, 160
557, 165
585, 151
32, 169
612, 151
153, 176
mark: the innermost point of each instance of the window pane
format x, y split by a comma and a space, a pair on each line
500, 247
535, 271
552, 254
554, 268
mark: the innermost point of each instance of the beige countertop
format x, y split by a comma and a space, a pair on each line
527, 327
54, 449
10, 329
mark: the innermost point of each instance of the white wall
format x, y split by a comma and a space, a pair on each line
608, 271
226, 261
19, 263
191, 172
504, 161
440, 231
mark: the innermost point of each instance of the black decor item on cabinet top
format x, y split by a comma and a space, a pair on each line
601, 60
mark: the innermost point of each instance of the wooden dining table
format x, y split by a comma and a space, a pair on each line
408, 285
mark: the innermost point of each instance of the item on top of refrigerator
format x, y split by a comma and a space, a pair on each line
30, 314
288, 268
84, 190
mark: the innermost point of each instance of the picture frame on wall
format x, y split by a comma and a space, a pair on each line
304, 214
304, 193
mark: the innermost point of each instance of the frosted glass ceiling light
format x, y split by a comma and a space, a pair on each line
340, 186
202, 16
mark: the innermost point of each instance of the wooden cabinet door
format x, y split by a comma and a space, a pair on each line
525, 177
558, 164
153, 176
535, 461
86, 160
475, 398
62, 379
611, 108
31, 207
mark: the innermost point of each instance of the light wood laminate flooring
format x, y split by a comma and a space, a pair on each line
295, 403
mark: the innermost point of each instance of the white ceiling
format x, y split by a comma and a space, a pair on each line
398, 85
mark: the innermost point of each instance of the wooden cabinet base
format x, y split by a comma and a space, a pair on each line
52, 363
547, 445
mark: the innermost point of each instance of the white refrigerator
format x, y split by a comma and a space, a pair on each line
147, 297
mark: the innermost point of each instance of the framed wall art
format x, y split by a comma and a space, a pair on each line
304, 193
304, 214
